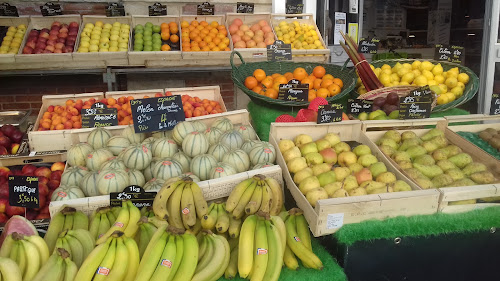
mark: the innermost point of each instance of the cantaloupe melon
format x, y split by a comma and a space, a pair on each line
221, 170
247, 132
181, 130
63, 193
97, 157
232, 139
149, 142
248, 145
113, 163
77, 154
183, 159
130, 134
164, 148
154, 184
89, 184
262, 165
213, 135
262, 153
167, 168
195, 144
135, 177
162, 134
99, 137
222, 124
238, 159
137, 157
148, 171
201, 165
218, 151
200, 126
112, 181
117, 144
72, 176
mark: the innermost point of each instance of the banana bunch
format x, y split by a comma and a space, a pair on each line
126, 222
68, 218
257, 193
100, 221
58, 267
219, 219
232, 267
147, 228
261, 247
9, 270
180, 202
171, 255
213, 258
77, 243
115, 259
147, 211
29, 252
298, 241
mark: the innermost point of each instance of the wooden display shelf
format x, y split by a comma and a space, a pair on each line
13, 21
250, 54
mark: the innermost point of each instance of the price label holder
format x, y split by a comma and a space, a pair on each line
7, 10
368, 46
294, 8
415, 107
356, 106
329, 113
98, 115
421, 92
449, 53
495, 104
293, 91
245, 8
50, 9
279, 51
115, 10
23, 191
205, 9
139, 197
157, 9
157, 114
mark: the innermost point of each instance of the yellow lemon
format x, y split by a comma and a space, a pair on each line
358, 82
416, 64
463, 77
395, 83
451, 82
457, 91
377, 71
394, 77
404, 83
451, 96
408, 77
442, 99
438, 69
397, 67
417, 72
420, 81
386, 71
431, 82
385, 79
454, 70
428, 75
461, 85
282, 23
439, 79
372, 67
450, 73
407, 66
401, 72
426, 65
443, 88
385, 66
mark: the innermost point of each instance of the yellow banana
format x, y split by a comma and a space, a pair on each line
167, 260
49, 265
120, 224
77, 252
151, 258
179, 254
7, 245
239, 210
186, 269
234, 227
104, 226
207, 254
33, 261
91, 263
120, 264
199, 200
161, 199
237, 192
85, 239
188, 209
195, 229
53, 272
280, 225
303, 231
80, 221
68, 221
255, 201
174, 208
222, 219
227, 255
210, 219
21, 258
134, 259
307, 257
9, 270
210, 271
275, 259
55, 227
70, 270
261, 251
134, 217
289, 259
266, 198
277, 196
94, 225
107, 263
111, 216
246, 246
156, 222
232, 267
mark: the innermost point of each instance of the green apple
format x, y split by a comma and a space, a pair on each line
138, 48
156, 28
138, 36
362, 149
148, 32
139, 41
148, 48
139, 27
148, 25
148, 44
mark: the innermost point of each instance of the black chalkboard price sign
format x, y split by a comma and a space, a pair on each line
329, 113
23, 191
98, 115
135, 193
279, 51
495, 104
205, 9
246, 8
157, 114
157, 9
7, 10
368, 46
294, 8
356, 106
115, 10
450, 53
420, 92
51, 9
293, 91
413, 107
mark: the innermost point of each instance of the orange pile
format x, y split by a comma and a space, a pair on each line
61, 117
320, 84
203, 36
169, 32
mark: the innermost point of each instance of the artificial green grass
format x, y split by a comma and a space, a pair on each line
331, 271
484, 145
419, 226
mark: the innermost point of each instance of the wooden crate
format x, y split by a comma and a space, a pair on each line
451, 194
54, 139
13, 21
153, 58
39, 22
249, 54
487, 121
330, 214
107, 58
310, 55
33, 159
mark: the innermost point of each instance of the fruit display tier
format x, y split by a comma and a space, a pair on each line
240, 74
12, 31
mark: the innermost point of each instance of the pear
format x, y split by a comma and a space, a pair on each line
431, 134
452, 150
372, 185
285, 145
386, 177
367, 160
332, 138
321, 168
446, 165
385, 189
394, 135
313, 158
302, 139
322, 144
405, 165
442, 180
355, 167
347, 158
329, 155
461, 160
429, 171
400, 185
455, 174
483, 177
409, 143
357, 192
484, 135
377, 168
430, 146
299, 176
440, 154
316, 194
425, 159
416, 151
440, 141
491, 131
363, 116
308, 148
424, 182
374, 114
463, 182
387, 150
413, 173
408, 135
309, 183
474, 168
388, 142
362, 149
363, 175
341, 147
332, 187
350, 183
296, 164
340, 193
326, 178
341, 173
291, 153
399, 156
462, 202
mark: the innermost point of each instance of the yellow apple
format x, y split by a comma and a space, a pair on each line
104, 40
103, 50
115, 32
85, 39
125, 26
116, 24
113, 43
94, 42
105, 34
122, 49
123, 45
99, 23
83, 50
114, 37
95, 36
84, 44
107, 26
104, 45
89, 25
113, 49
93, 48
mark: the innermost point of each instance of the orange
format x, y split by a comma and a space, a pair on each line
317, 83
165, 35
339, 82
307, 81
205, 49
280, 79
200, 28
312, 77
319, 71
172, 24
251, 82
165, 47
214, 24
259, 74
184, 24
326, 83
256, 89
215, 49
174, 29
333, 89
164, 25
276, 86
328, 76
203, 23
208, 39
267, 82
300, 73
271, 93
194, 23
203, 44
322, 93
217, 40
312, 95
275, 75
288, 75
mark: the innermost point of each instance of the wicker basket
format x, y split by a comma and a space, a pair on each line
469, 91
402, 91
241, 72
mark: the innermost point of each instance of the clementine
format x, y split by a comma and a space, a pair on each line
300, 73
251, 82
339, 82
319, 71
322, 93
259, 74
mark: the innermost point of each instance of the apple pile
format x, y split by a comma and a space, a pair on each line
48, 180
104, 37
331, 168
10, 139
12, 37
59, 39
259, 35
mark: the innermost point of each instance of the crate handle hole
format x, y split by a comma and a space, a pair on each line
397, 240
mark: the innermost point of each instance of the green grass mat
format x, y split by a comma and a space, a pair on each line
475, 139
332, 270
418, 226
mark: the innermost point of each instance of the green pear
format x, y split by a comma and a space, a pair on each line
400, 185
406, 135
302, 139
399, 156
474, 168
309, 183
355, 167
374, 114
341, 173
462, 202
448, 151
321, 168
326, 178
446, 165
381, 117
367, 160
291, 153
350, 183
322, 144
341, 147
372, 185
285, 145
301, 175
430, 146
377, 169
455, 174
358, 192
463, 182
485, 177
333, 138
388, 142
385, 189
313, 158
394, 135
387, 150
416, 151
405, 165
461, 160
409, 143
296, 164
332, 187
424, 182
440, 141
363, 116
386, 177
362, 149
394, 114
413, 173
442, 180
440, 154
316, 194
308, 148
432, 133
429, 171
347, 158
425, 159
340, 193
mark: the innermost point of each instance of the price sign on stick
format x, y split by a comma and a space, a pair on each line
157, 9
279, 51
329, 113
23, 191
139, 197
115, 10
293, 91
495, 104
368, 46
355, 106
50, 9
7, 10
98, 115
450, 53
413, 107
421, 92
294, 8
246, 8
205, 9
157, 114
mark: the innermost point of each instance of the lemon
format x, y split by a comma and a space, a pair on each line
386, 71
417, 72
385, 66
451, 96
404, 83
283, 23
436, 89
408, 77
372, 67
385, 79
287, 41
426, 65
318, 43
286, 36
310, 40
403, 71
442, 99
358, 82
454, 70
297, 44
439, 79
431, 82
377, 71
397, 67
416, 64
463, 77
450, 73
457, 91
438, 69
420, 81
428, 75
394, 77
461, 85
395, 83
451, 82
407, 66
443, 87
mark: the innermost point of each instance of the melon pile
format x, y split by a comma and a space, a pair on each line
107, 163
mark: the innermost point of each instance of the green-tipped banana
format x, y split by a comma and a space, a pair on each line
77, 252
134, 217
236, 194
161, 199
246, 246
167, 260
186, 269
70, 270
120, 224
91, 263
303, 231
94, 225
293, 241
48, 266
9, 270
239, 210
68, 221
55, 227
275, 260
104, 226
85, 239
151, 258
7, 246
277, 196
199, 200
80, 221
210, 219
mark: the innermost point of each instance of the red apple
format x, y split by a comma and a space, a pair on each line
5, 141
31, 214
3, 150
56, 23
70, 42
4, 172
43, 190
3, 204
57, 166
15, 146
29, 170
42, 40
71, 37
43, 171
31, 44
53, 184
32, 39
72, 32
44, 30
64, 25
17, 136
4, 190
73, 24
50, 48
38, 51
3, 180
40, 45
58, 51
47, 52
33, 32
27, 50
45, 209
59, 46
50, 43
63, 29
62, 35
56, 28
61, 40
56, 175
43, 180
52, 38
70, 50
3, 218
44, 35
54, 32
13, 210
8, 129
